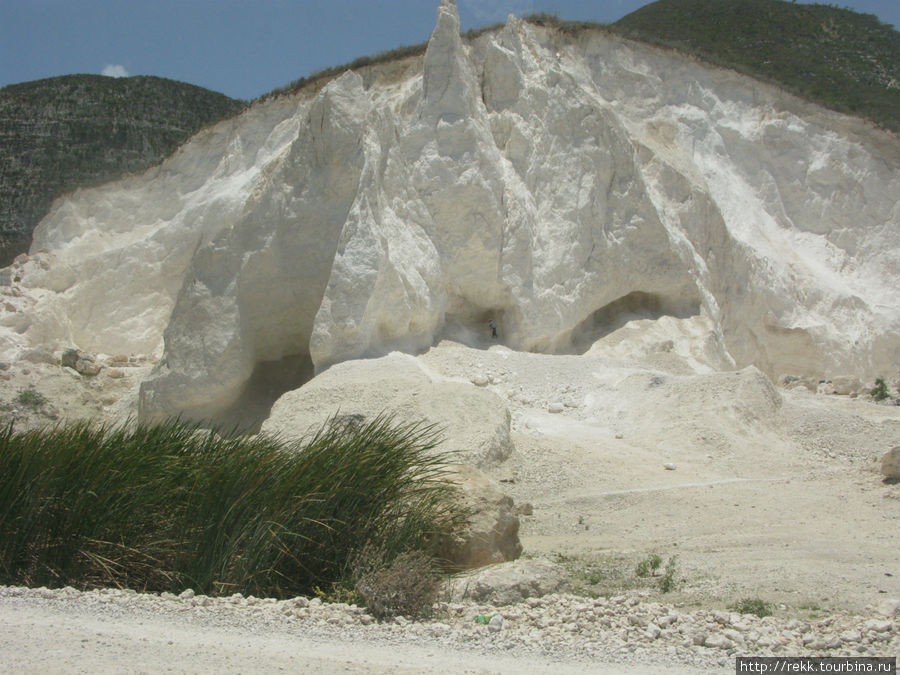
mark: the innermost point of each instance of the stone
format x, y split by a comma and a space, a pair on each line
80, 361
825, 387
511, 582
495, 625
70, 357
555, 407
879, 625
87, 367
890, 464
717, 641
669, 466
889, 607
851, 636
475, 422
845, 384
491, 534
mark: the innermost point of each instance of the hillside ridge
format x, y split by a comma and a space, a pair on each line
844, 60
62, 133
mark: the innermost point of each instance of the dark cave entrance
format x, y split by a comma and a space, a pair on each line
270, 379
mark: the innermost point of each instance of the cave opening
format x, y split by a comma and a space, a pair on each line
270, 379
631, 307
472, 327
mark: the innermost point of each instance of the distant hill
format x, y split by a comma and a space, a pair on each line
74, 131
844, 60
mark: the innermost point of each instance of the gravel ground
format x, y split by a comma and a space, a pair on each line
122, 631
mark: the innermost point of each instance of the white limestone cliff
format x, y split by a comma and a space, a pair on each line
553, 185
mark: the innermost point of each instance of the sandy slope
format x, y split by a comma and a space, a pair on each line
775, 494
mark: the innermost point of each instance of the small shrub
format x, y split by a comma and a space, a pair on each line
668, 582
753, 606
31, 398
406, 586
648, 566
879, 391
339, 593
594, 576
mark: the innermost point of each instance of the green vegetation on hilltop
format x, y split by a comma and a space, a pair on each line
838, 58
75, 131
841, 59
170, 507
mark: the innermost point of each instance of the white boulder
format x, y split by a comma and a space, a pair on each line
474, 422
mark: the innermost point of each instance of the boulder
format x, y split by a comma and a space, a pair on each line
845, 384
890, 464
511, 582
474, 421
80, 361
492, 533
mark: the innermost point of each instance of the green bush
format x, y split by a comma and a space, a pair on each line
753, 606
879, 391
170, 506
668, 581
648, 566
31, 398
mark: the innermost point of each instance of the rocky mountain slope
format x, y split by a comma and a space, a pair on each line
839, 58
556, 185
74, 131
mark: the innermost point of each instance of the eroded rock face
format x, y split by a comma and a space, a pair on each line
554, 186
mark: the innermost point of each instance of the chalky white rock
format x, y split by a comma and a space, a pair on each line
553, 186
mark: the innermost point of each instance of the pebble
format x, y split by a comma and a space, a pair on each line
480, 380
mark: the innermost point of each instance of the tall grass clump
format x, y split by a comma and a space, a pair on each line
168, 507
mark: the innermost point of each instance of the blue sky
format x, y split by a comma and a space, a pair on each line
245, 48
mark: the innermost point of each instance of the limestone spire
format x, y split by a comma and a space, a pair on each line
446, 90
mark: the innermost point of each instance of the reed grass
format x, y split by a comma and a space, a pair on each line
171, 506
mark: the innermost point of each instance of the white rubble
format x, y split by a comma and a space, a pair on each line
556, 186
